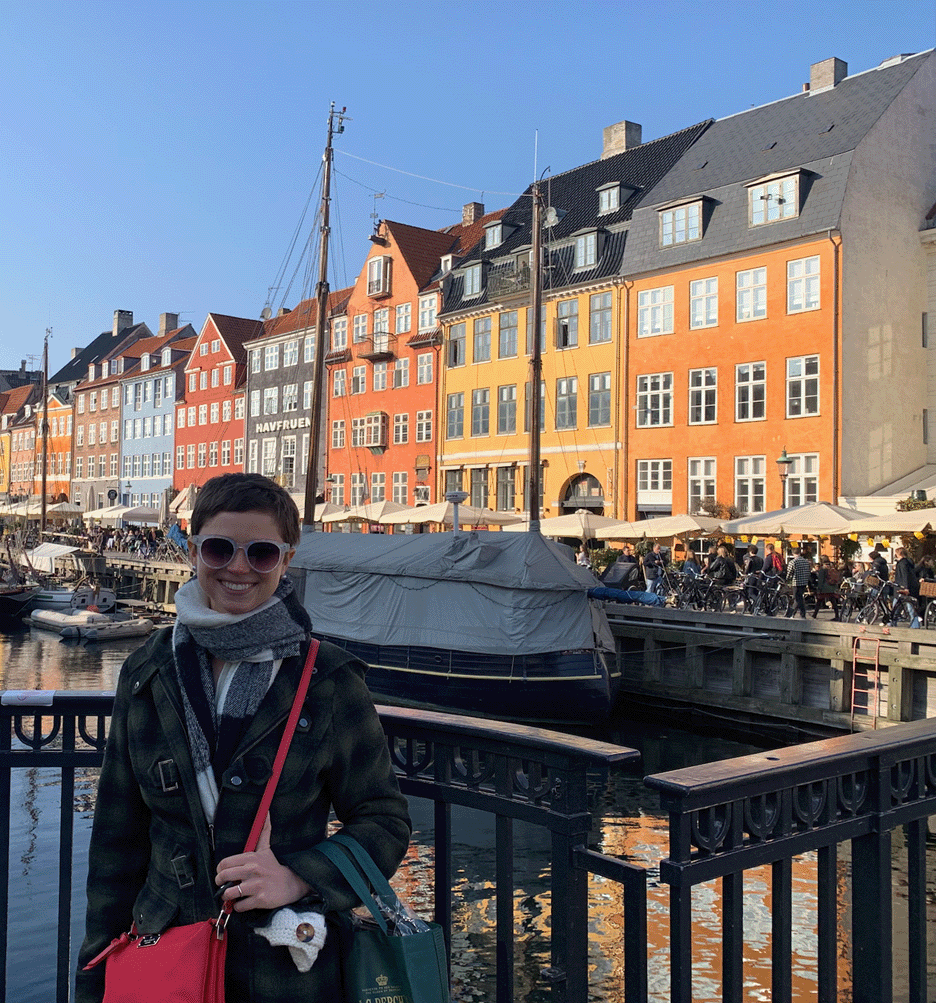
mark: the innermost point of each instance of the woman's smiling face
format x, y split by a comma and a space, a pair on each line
237, 588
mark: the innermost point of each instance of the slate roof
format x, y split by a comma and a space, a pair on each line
103, 346
817, 130
575, 193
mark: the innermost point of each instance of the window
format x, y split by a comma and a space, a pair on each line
157, 395
404, 317
191, 416
478, 487
381, 327
216, 345
271, 357
79, 465
215, 376
752, 294
424, 426
566, 393
81, 402
421, 494
226, 410
703, 303
308, 347
376, 426
228, 375
359, 332
802, 485
359, 380
456, 345
424, 368
505, 488
337, 489
291, 353
115, 464
655, 312
339, 381
357, 432
203, 348
254, 403
255, 357
749, 483
803, 284
493, 235
288, 461
529, 332
115, 393
567, 324
92, 401
307, 395
507, 410
238, 452
167, 428
147, 429
202, 454
252, 457
79, 435
270, 400
226, 453
528, 405
268, 457
586, 250
190, 456
751, 392
179, 458
480, 412
599, 318
400, 429
92, 434
401, 374
214, 413
212, 454
482, 340
599, 399
472, 281
703, 396
128, 427
380, 376
681, 225
776, 200
455, 416
338, 435
609, 198
427, 312
802, 386
400, 489
357, 488
339, 333
203, 380
378, 276
138, 396
654, 400
507, 338
654, 475
701, 482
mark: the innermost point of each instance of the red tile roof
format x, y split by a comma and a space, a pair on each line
235, 331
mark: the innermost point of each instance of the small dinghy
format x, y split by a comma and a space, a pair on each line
50, 619
135, 627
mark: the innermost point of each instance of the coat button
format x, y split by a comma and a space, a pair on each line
303, 722
236, 781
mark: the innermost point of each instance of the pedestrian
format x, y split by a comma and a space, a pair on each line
691, 566
773, 562
906, 586
753, 562
798, 571
828, 583
581, 557
653, 567
723, 570
197, 719
878, 565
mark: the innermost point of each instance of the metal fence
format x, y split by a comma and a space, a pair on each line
841, 799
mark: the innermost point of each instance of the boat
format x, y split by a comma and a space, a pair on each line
15, 602
491, 624
110, 631
99, 600
51, 619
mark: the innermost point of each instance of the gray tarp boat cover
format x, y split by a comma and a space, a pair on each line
496, 593
42, 558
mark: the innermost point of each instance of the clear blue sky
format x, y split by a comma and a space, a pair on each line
157, 156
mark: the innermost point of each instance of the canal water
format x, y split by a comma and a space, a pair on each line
629, 824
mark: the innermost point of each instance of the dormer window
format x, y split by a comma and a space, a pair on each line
145, 362
472, 281
166, 356
378, 276
609, 197
91, 372
493, 235
445, 263
773, 199
586, 249
680, 224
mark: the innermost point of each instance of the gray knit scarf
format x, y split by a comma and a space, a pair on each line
258, 640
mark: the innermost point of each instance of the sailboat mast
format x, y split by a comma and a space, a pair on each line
45, 429
536, 359
321, 338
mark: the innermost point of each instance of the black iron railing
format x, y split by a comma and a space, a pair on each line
510, 771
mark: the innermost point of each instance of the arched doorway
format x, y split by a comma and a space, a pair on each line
584, 491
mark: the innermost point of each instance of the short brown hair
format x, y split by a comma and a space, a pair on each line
247, 493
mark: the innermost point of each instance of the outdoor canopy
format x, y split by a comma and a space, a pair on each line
816, 519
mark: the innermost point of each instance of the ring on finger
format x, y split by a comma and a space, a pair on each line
240, 891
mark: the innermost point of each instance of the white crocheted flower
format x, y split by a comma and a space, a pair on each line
302, 932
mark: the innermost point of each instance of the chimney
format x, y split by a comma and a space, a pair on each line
283, 311
75, 352
122, 320
620, 137
827, 73
168, 322
472, 212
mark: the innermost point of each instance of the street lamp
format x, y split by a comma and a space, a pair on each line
783, 468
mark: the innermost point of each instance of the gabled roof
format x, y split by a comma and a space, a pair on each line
103, 346
19, 396
155, 345
303, 315
575, 193
421, 249
235, 331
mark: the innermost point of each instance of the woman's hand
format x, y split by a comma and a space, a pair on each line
259, 880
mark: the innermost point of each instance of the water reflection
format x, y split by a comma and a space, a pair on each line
630, 825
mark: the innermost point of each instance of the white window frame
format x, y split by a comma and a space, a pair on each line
703, 396
751, 294
803, 284
586, 250
703, 303
802, 386
655, 312
802, 483
681, 224
472, 282
747, 383
750, 484
701, 481
773, 201
424, 368
654, 400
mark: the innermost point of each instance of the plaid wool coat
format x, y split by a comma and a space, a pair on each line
152, 857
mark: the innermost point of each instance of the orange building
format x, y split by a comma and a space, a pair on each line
59, 449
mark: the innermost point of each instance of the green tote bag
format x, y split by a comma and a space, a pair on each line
377, 966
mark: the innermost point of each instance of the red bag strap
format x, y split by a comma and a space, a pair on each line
283, 749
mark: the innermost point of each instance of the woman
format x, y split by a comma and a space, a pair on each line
197, 719
828, 585
722, 570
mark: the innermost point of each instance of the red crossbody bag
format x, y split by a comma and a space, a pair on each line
185, 964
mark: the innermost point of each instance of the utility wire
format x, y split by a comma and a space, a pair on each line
422, 177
